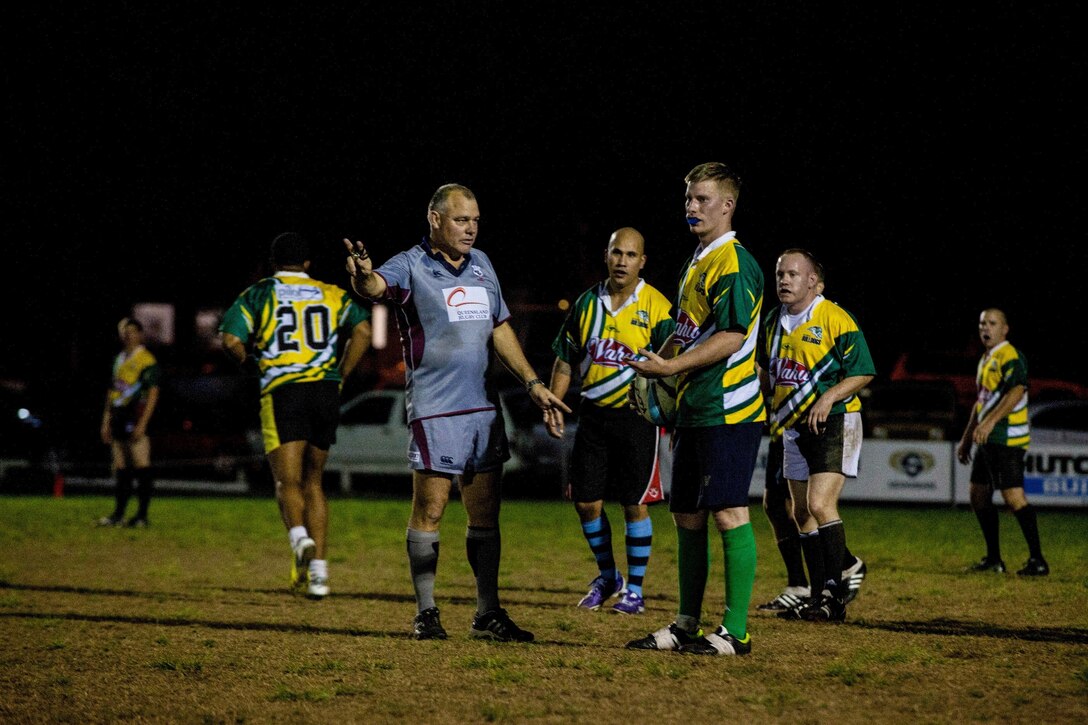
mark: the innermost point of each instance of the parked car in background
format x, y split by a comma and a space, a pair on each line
910, 410
206, 427
1059, 422
958, 368
544, 461
372, 440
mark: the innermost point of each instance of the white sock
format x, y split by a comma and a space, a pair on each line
296, 534
319, 568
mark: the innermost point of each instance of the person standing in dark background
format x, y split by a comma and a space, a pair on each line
307, 337
130, 403
451, 315
615, 450
998, 429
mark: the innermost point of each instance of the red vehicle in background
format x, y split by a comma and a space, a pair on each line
958, 368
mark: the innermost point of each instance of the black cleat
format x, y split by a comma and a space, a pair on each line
852, 579
1034, 567
498, 626
793, 614
719, 642
666, 639
788, 599
426, 625
988, 564
824, 608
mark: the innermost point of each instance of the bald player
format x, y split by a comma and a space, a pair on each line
615, 449
998, 430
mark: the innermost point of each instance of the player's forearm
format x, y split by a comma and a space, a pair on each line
847, 387
1004, 406
234, 347
356, 347
368, 284
717, 347
510, 353
561, 376
969, 431
150, 404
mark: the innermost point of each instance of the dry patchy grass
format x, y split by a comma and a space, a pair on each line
191, 621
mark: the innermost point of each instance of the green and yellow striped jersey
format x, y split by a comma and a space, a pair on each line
721, 289
999, 371
808, 353
599, 340
298, 327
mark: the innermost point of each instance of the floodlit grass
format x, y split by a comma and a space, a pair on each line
191, 621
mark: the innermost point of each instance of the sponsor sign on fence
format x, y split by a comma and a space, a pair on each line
924, 471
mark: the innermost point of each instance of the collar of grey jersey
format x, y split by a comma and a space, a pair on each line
437, 256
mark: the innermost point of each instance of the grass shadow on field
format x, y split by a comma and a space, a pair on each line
209, 623
280, 591
286, 628
958, 628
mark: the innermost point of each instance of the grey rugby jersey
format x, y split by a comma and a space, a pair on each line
445, 317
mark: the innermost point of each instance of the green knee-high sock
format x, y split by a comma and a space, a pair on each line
693, 560
740, 576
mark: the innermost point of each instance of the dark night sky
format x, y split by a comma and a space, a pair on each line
153, 151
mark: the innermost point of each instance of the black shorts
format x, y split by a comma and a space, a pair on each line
998, 467
614, 456
123, 420
301, 412
712, 467
775, 485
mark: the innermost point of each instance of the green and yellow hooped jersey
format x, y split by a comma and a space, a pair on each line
999, 371
824, 346
721, 289
298, 327
600, 341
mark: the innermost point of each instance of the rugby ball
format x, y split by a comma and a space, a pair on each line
655, 399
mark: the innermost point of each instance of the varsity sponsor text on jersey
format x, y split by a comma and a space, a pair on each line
721, 289
808, 353
600, 340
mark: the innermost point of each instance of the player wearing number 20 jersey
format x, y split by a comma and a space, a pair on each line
297, 324
301, 336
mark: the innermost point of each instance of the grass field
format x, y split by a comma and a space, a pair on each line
191, 621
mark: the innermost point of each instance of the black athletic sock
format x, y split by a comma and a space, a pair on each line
123, 492
790, 549
833, 542
484, 548
145, 484
987, 520
1029, 524
848, 558
814, 557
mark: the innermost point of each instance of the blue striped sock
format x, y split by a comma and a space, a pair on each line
598, 533
640, 535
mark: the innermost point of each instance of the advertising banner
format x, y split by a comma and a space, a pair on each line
1054, 475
